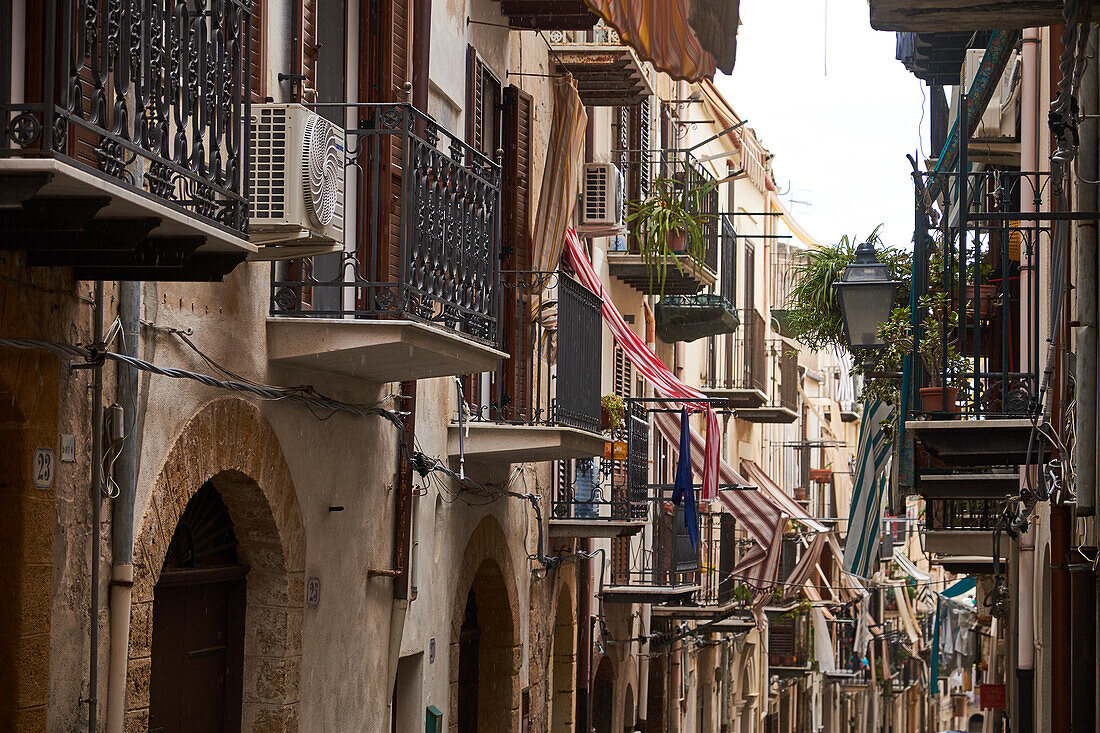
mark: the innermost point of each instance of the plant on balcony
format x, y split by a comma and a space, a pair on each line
814, 317
612, 412
669, 223
937, 350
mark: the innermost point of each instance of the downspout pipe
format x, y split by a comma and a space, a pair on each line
1087, 169
647, 609
122, 509
97, 511
1029, 159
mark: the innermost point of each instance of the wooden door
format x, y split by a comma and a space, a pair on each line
198, 646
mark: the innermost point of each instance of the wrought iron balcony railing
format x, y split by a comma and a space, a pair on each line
642, 168
428, 232
977, 272
971, 515
742, 364
148, 95
551, 327
611, 488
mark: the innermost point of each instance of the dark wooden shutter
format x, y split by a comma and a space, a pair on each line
256, 53
307, 48
518, 113
475, 100
642, 140
383, 70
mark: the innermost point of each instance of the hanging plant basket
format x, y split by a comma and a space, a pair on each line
781, 322
691, 317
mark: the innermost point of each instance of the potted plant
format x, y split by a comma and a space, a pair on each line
813, 314
937, 349
612, 412
669, 223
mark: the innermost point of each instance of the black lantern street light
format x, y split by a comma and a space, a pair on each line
866, 295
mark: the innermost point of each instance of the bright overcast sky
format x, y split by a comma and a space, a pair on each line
836, 109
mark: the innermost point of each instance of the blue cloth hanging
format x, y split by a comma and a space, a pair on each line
684, 488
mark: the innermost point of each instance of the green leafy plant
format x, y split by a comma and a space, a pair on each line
671, 213
813, 309
937, 348
615, 407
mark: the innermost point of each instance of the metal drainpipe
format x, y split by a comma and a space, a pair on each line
1087, 167
584, 544
122, 509
402, 539
1029, 158
1061, 523
97, 511
647, 609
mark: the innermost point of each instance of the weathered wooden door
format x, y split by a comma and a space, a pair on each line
198, 634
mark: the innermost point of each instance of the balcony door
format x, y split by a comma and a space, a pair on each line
326, 63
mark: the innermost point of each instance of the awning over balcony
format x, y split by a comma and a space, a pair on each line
687, 39
607, 74
970, 15
565, 15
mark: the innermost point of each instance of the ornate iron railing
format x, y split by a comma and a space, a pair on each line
640, 165
428, 232
743, 364
727, 253
963, 514
151, 95
976, 270
551, 327
614, 488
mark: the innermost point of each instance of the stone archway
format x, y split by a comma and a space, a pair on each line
229, 444
603, 696
485, 647
563, 664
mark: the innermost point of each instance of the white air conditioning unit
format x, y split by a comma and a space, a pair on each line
603, 203
296, 184
999, 119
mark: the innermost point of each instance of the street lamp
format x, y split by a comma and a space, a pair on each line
866, 295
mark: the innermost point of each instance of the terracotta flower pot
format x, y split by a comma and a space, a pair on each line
678, 241
821, 475
939, 399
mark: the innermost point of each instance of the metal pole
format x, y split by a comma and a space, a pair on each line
122, 509
97, 509
1025, 634
1087, 167
1061, 523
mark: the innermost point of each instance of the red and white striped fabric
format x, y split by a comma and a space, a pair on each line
664, 382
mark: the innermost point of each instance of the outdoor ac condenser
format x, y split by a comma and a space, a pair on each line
999, 119
296, 190
603, 195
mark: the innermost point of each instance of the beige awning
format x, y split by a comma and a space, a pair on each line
561, 176
686, 39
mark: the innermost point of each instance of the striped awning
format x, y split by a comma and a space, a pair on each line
868, 487
561, 176
686, 39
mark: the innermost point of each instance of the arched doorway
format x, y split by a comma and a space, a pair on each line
562, 677
603, 696
227, 452
198, 623
486, 655
628, 709
655, 706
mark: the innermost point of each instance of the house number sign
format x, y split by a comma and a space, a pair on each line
42, 468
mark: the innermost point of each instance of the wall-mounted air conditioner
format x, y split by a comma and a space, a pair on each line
999, 119
296, 190
602, 204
